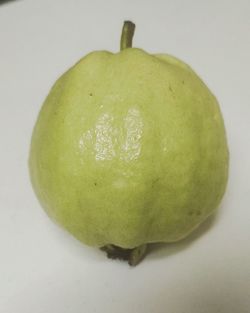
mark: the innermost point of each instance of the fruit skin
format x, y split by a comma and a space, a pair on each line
129, 148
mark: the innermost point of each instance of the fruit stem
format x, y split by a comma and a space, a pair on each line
127, 35
133, 256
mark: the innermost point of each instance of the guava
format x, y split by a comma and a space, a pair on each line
129, 148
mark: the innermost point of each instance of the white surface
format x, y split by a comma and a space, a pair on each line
42, 268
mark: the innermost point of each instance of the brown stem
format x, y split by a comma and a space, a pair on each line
127, 35
133, 256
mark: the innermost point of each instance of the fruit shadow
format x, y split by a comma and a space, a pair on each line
5, 1
159, 250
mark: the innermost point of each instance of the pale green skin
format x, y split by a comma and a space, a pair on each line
128, 149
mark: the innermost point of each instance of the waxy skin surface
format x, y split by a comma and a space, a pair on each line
129, 148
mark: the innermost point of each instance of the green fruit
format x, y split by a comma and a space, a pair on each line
129, 149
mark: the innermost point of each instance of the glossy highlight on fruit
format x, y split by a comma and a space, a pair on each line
128, 149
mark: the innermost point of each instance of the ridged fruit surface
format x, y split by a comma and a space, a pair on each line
129, 148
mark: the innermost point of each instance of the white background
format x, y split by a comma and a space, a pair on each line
45, 270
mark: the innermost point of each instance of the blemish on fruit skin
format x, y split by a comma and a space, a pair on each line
95, 183
155, 181
170, 88
90, 94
